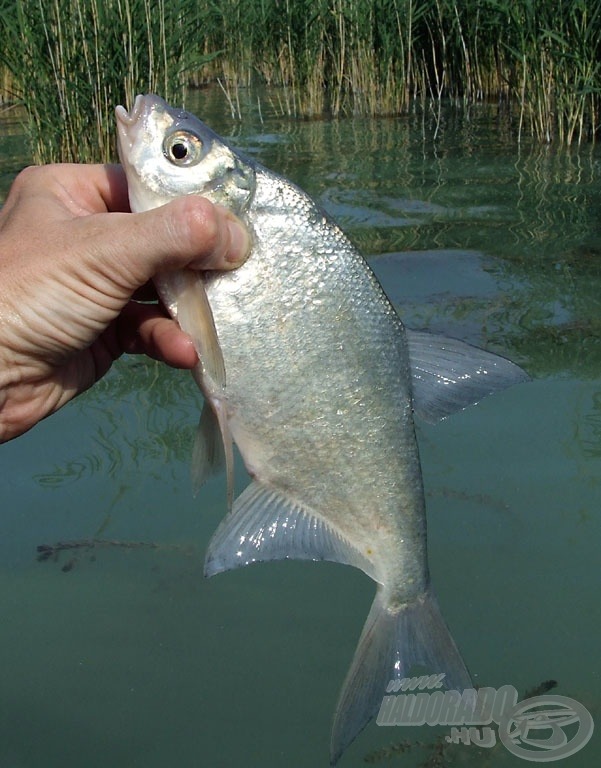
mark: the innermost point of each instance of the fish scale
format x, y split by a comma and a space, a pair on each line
306, 366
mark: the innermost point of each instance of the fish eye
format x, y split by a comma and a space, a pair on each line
183, 148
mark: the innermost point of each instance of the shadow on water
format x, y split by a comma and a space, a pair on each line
153, 666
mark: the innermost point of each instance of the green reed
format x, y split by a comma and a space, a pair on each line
71, 61
557, 58
539, 58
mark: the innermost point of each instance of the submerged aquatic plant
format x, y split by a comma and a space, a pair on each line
72, 61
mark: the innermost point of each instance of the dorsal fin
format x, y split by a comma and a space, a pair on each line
448, 375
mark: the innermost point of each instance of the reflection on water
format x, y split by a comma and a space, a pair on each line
126, 656
145, 412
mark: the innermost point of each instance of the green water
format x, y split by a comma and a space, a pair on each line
125, 656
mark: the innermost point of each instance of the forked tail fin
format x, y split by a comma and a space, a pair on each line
393, 641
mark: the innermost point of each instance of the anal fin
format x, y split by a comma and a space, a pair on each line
265, 524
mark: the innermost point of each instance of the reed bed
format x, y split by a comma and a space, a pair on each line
540, 58
71, 61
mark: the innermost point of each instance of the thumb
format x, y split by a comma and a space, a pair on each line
188, 232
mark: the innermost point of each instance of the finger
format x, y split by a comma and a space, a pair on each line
196, 234
93, 188
144, 329
71, 189
187, 232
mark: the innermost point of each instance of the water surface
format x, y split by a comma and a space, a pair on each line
122, 654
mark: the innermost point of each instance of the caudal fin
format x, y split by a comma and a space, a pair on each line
393, 641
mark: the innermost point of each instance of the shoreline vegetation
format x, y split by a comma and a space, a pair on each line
69, 62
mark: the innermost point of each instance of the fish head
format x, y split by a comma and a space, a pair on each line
168, 152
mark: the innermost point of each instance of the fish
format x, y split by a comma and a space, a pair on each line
307, 367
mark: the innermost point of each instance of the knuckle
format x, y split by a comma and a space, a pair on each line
202, 224
30, 175
36, 178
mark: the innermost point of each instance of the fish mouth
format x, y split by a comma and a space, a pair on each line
140, 103
127, 121
130, 123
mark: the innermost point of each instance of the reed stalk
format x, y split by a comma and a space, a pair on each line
72, 61
539, 59
352, 57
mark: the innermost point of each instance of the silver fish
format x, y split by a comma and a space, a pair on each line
307, 367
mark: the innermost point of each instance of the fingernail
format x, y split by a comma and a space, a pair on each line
239, 241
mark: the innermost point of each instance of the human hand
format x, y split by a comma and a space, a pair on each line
71, 259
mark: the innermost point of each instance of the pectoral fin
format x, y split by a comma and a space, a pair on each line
265, 524
448, 375
194, 315
220, 407
208, 454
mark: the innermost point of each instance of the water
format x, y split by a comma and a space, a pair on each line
125, 656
